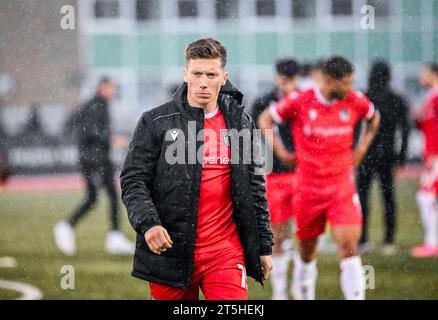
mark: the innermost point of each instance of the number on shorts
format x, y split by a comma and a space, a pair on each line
243, 284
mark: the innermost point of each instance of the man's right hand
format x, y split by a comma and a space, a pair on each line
158, 239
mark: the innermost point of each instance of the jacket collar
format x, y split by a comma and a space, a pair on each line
230, 101
98, 100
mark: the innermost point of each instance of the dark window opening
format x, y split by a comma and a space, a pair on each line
381, 7
106, 9
265, 8
188, 8
226, 9
147, 9
342, 7
303, 8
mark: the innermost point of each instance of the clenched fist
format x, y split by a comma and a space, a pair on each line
158, 239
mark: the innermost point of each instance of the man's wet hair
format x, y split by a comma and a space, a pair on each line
105, 80
433, 66
337, 67
206, 48
287, 67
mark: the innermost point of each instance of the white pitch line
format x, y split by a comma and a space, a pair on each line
28, 292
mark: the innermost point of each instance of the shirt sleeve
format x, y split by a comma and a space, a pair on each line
285, 109
366, 108
435, 106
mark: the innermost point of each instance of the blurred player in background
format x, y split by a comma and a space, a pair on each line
280, 184
311, 77
382, 157
94, 138
323, 121
426, 119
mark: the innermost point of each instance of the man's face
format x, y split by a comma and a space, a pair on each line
338, 88
285, 84
204, 78
107, 91
426, 76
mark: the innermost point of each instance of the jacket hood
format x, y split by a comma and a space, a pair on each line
230, 90
380, 76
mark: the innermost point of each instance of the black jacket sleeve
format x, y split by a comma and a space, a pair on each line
405, 128
259, 194
138, 174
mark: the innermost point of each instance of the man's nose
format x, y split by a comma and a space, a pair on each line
203, 82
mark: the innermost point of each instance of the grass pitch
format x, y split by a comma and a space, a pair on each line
26, 223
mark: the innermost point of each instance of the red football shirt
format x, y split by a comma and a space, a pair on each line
323, 133
429, 123
216, 227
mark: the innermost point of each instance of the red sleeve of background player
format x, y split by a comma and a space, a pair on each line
285, 109
435, 106
366, 107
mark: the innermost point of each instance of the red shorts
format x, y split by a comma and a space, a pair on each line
220, 274
429, 178
312, 214
280, 188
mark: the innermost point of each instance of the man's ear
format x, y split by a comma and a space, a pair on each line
185, 74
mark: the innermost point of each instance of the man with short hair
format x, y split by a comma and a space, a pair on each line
323, 120
94, 143
199, 210
426, 118
280, 183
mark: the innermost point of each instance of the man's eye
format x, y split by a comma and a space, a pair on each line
211, 75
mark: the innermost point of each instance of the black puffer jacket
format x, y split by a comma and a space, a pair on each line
157, 193
394, 113
94, 132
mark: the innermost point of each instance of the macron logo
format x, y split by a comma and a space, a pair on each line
174, 134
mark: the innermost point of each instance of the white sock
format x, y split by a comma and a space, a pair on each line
429, 215
304, 279
280, 263
353, 278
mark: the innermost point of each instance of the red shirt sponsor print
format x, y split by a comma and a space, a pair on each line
216, 227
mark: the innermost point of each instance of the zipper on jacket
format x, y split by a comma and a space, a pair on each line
197, 186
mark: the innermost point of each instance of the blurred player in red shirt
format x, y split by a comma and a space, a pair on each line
323, 121
427, 120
